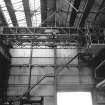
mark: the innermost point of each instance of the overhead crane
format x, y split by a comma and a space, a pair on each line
51, 36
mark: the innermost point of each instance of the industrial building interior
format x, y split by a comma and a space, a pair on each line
51, 47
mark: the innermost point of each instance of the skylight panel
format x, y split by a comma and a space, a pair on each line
2, 3
15, 1
22, 23
19, 12
36, 13
32, 4
18, 6
10, 25
5, 12
20, 15
7, 17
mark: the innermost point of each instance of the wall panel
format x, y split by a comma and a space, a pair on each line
16, 90
43, 61
70, 78
42, 70
19, 70
43, 90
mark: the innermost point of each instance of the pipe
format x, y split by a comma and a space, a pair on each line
97, 68
101, 64
101, 84
30, 66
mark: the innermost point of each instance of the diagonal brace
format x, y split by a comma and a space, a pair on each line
72, 5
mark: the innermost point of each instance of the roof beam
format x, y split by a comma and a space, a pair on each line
55, 7
44, 12
11, 12
82, 7
74, 12
70, 8
3, 21
27, 12
86, 12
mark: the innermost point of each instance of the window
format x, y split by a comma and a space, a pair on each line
74, 98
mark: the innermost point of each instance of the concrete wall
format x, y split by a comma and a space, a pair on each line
71, 78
